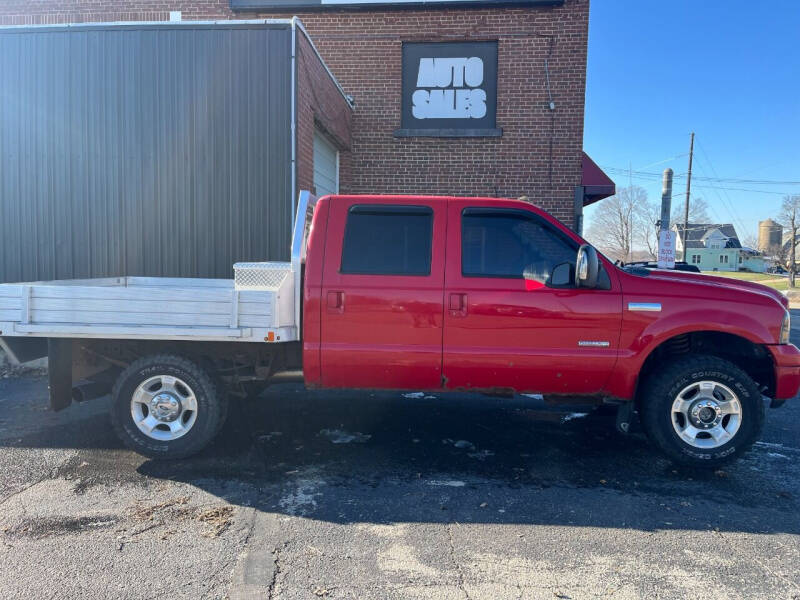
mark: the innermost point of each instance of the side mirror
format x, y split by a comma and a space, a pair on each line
587, 267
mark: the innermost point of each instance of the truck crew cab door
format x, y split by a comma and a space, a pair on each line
506, 324
382, 286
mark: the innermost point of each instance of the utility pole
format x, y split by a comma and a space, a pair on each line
666, 241
666, 200
688, 191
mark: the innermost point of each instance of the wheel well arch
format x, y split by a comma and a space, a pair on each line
753, 358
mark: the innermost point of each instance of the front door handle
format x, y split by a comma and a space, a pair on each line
336, 302
458, 305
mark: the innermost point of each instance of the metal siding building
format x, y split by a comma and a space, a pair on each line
144, 149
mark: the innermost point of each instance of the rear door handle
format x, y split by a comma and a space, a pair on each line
336, 302
458, 305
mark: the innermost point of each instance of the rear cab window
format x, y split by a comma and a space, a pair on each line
384, 239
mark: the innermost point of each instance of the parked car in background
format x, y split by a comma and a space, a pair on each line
679, 265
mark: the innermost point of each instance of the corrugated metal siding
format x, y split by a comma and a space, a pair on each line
149, 150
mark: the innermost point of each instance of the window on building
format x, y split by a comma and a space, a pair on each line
511, 243
741, 260
695, 259
723, 259
388, 240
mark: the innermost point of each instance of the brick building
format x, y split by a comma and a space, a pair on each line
532, 146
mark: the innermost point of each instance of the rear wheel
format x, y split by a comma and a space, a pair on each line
166, 406
702, 411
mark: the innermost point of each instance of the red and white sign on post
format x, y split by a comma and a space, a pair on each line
666, 249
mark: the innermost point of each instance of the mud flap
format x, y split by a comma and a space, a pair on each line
626, 413
59, 361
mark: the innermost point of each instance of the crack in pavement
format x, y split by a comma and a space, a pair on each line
254, 576
271, 590
457, 564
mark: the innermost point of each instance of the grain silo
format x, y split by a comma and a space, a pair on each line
770, 234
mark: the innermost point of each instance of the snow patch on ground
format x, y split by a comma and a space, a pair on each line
419, 396
268, 437
302, 500
534, 396
467, 445
337, 436
461, 444
776, 455
775, 446
446, 483
575, 415
769, 445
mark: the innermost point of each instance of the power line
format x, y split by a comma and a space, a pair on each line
733, 189
658, 162
709, 185
732, 208
654, 175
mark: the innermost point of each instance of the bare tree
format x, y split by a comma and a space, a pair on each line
749, 241
698, 212
789, 217
780, 252
624, 223
648, 232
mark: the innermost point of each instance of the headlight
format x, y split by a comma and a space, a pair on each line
786, 328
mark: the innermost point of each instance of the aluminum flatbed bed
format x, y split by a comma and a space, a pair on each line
154, 308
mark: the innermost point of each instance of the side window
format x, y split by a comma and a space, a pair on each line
512, 244
384, 239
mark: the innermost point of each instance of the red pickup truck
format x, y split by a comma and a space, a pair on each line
470, 295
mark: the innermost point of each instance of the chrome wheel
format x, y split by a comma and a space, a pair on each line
164, 408
706, 414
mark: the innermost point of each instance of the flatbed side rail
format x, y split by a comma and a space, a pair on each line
306, 204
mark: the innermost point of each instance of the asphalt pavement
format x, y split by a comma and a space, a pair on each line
389, 495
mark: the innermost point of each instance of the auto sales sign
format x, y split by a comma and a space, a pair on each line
449, 89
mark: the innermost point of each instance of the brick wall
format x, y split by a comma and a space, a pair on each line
320, 105
539, 154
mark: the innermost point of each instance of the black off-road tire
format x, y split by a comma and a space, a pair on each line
662, 387
211, 407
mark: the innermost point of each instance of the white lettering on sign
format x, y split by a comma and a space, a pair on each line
447, 72
449, 104
666, 249
453, 89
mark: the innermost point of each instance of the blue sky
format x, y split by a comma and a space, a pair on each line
727, 70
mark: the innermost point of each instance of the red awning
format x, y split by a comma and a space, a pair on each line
596, 184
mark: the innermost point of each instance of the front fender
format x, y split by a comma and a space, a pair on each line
643, 333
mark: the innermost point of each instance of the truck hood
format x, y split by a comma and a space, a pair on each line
727, 283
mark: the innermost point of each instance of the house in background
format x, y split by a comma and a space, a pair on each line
716, 247
753, 261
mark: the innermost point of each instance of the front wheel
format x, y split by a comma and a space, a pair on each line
166, 406
701, 411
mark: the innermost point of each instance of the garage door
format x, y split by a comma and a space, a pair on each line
326, 166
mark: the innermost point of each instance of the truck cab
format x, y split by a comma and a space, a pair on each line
462, 294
